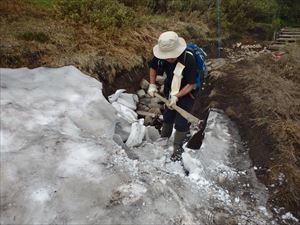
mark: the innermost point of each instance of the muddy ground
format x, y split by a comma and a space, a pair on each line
31, 38
262, 95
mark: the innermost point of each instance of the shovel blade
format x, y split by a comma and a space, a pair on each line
195, 141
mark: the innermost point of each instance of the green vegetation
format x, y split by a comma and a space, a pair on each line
34, 36
288, 12
238, 16
46, 3
105, 14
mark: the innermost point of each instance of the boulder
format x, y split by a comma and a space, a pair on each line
141, 93
144, 84
160, 80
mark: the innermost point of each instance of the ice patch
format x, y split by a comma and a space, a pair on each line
41, 195
131, 193
289, 216
81, 161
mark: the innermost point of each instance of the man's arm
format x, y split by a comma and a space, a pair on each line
185, 90
152, 86
152, 76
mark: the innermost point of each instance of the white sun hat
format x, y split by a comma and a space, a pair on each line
169, 46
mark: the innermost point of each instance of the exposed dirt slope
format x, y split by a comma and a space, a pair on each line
32, 36
263, 96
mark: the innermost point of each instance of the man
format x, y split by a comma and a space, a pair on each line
181, 69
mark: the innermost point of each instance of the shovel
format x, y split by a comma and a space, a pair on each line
196, 140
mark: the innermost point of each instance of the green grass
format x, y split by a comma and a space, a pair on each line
45, 3
34, 36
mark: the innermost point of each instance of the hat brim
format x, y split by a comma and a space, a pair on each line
171, 54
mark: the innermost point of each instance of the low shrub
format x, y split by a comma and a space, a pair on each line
240, 16
34, 36
105, 14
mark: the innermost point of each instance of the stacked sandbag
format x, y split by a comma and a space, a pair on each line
130, 128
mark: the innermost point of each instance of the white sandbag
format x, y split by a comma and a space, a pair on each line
152, 133
137, 134
125, 112
127, 100
112, 98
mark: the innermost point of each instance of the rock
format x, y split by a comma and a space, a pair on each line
161, 89
155, 111
135, 98
214, 104
142, 107
154, 105
144, 84
216, 74
218, 63
213, 93
144, 113
155, 100
208, 63
145, 101
148, 120
141, 93
160, 80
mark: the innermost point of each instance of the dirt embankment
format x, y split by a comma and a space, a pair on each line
262, 95
32, 36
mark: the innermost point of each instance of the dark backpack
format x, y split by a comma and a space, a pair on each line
199, 55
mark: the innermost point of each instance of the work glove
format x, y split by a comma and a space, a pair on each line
172, 100
152, 89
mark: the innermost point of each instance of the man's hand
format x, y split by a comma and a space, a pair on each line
172, 100
152, 89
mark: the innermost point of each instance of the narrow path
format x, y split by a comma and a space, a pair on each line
285, 36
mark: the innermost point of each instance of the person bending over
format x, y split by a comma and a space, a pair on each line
171, 57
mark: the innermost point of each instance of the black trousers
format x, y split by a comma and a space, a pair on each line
173, 117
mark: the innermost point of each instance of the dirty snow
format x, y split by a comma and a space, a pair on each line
62, 163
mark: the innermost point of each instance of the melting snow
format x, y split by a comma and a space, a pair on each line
63, 160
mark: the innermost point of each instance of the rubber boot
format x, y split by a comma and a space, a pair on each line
178, 142
166, 130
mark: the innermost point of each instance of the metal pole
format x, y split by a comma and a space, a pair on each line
218, 28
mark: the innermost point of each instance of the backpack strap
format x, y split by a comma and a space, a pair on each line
187, 51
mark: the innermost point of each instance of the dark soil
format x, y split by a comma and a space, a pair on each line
236, 106
229, 97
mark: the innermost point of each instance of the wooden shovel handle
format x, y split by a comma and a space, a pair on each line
189, 117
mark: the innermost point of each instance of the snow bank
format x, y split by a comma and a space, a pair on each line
61, 165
